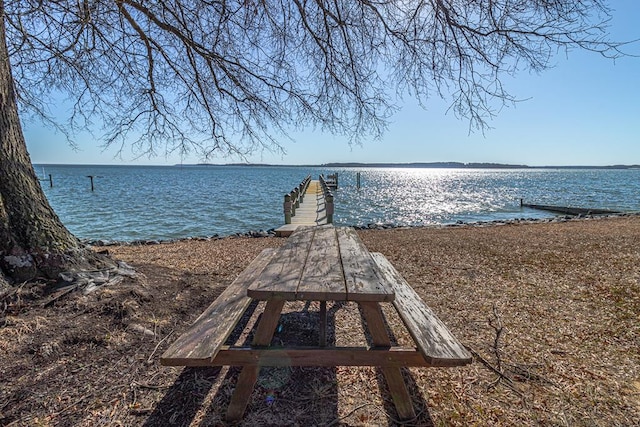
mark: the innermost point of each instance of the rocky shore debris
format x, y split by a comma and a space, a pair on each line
144, 242
369, 226
498, 222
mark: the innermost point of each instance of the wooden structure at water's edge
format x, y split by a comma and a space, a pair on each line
331, 181
309, 204
567, 210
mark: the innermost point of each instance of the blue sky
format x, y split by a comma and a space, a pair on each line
584, 111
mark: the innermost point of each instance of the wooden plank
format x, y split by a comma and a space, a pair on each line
375, 323
399, 392
281, 276
268, 322
323, 324
372, 314
318, 356
249, 374
362, 280
212, 328
432, 337
242, 393
310, 211
322, 278
286, 230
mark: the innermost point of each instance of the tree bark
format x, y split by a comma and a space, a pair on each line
33, 241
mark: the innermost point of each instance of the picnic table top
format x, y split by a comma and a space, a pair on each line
320, 264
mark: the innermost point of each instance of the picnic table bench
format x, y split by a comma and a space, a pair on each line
318, 264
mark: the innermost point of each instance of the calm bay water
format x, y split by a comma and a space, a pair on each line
166, 202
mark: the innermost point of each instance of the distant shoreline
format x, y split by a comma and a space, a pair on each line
414, 165
432, 165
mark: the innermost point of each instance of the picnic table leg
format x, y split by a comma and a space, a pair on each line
375, 321
249, 374
323, 323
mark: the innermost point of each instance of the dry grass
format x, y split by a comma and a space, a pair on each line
551, 311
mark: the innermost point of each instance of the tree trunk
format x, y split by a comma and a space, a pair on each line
33, 241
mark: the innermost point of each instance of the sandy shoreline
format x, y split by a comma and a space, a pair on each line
566, 295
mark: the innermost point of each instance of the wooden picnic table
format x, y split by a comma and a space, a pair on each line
322, 264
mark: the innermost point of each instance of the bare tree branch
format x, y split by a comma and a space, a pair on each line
234, 76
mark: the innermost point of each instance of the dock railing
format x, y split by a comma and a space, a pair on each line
328, 199
293, 199
332, 181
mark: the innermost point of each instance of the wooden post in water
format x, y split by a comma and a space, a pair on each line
358, 180
50, 181
91, 178
287, 209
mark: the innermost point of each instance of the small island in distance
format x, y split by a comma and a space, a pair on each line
435, 165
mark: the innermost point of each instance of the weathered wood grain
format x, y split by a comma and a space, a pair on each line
242, 393
318, 356
372, 314
361, 276
432, 337
280, 278
249, 374
321, 263
211, 329
322, 341
268, 322
322, 278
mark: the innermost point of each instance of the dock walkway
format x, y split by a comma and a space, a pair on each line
312, 211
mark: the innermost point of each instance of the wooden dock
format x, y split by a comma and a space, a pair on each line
314, 208
332, 181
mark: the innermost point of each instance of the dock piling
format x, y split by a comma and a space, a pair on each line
329, 207
328, 197
331, 180
287, 209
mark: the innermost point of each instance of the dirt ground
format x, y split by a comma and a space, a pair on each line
550, 311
